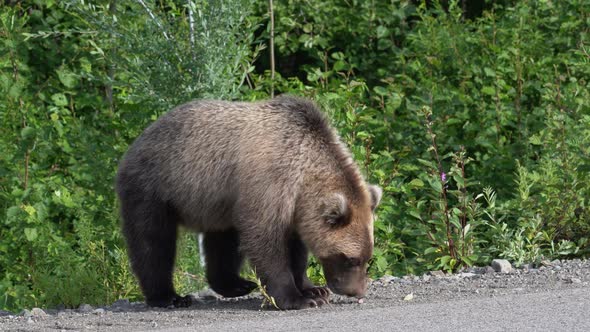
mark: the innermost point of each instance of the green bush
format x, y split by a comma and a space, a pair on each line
81, 82
507, 101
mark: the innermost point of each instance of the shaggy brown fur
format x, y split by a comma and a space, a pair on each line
266, 180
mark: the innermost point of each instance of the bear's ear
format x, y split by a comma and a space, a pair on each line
334, 209
376, 194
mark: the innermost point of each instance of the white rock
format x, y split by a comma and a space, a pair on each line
467, 275
38, 312
386, 279
501, 265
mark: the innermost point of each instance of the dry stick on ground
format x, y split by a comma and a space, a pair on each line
272, 49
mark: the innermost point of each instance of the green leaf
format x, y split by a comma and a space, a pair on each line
381, 91
67, 78
431, 250
427, 163
12, 211
436, 185
350, 116
488, 90
535, 140
444, 261
339, 65
59, 99
415, 214
395, 100
382, 31
459, 180
31, 234
381, 263
28, 133
416, 183
466, 229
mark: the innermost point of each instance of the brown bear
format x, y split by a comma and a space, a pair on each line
266, 181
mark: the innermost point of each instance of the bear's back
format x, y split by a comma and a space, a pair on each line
202, 155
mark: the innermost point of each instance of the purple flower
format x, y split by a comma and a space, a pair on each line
443, 177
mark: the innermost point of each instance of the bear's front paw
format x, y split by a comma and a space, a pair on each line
174, 300
182, 301
298, 302
317, 294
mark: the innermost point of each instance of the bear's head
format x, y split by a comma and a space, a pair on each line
341, 237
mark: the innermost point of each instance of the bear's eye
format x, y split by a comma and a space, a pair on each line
335, 219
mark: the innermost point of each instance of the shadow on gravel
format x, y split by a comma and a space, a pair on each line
230, 304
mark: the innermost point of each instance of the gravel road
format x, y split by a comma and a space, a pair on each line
555, 296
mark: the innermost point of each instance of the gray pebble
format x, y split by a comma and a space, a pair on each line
99, 311
62, 313
489, 270
437, 274
84, 308
121, 303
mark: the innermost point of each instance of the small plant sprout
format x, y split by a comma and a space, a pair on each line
267, 300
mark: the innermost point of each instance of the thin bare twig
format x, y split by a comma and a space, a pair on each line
111, 68
272, 49
147, 9
191, 24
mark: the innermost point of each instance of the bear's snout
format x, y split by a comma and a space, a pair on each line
345, 280
354, 289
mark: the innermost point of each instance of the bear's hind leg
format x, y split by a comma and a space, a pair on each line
150, 229
223, 262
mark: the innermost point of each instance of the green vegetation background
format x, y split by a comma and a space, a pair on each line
475, 120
